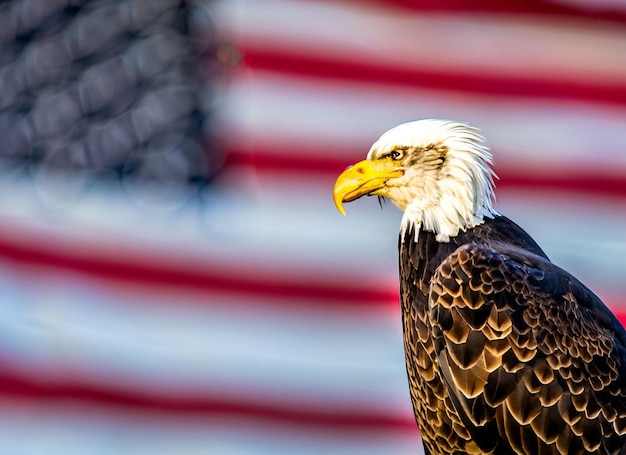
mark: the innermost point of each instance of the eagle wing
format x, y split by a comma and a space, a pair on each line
532, 360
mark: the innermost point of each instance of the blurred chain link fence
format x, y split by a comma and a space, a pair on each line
113, 89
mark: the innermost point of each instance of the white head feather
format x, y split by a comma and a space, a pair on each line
447, 185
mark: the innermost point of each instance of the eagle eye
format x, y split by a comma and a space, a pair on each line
396, 155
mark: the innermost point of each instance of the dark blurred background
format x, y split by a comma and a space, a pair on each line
174, 277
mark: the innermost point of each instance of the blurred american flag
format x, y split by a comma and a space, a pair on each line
252, 318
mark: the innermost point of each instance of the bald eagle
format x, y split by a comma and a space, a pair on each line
506, 353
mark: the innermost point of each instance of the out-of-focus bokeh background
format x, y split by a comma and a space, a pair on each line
174, 278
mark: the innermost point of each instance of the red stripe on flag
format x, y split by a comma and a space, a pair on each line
163, 270
298, 63
40, 391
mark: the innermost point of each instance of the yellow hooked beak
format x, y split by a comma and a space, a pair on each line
365, 177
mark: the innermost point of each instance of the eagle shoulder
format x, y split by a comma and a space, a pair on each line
532, 360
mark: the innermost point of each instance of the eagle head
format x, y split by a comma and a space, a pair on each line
437, 171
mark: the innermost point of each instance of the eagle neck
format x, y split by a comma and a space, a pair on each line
420, 251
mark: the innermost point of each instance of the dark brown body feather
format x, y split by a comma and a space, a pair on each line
507, 353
